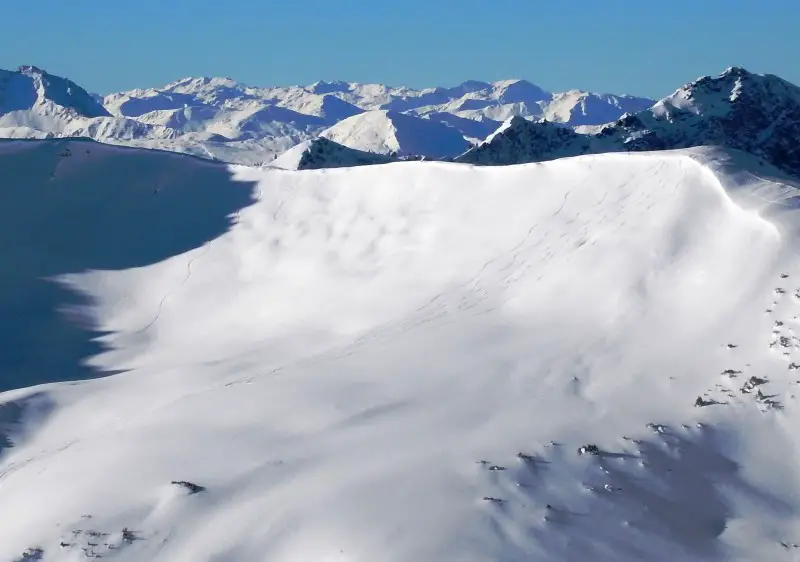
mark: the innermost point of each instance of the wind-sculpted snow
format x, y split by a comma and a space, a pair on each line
586, 359
71, 206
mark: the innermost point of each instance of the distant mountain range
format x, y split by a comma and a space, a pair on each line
221, 119
332, 124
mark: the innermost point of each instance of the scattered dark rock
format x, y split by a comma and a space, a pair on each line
784, 275
491, 499
732, 346
524, 457
700, 402
768, 401
588, 450
731, 373
190, 486
793, 366
31, 554
495, 467
657, 427
779, 291
751, 384
128, 536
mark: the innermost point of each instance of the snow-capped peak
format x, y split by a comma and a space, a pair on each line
323, 87
515, 91
31, 87
395, 133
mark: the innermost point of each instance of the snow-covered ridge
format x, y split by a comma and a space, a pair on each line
758, 114
404, 362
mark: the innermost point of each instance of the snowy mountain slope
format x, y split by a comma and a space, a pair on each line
390, 132
324, 153
472, 129
328, 107
737, 109
400, 362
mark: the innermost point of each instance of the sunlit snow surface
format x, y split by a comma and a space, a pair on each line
400, 362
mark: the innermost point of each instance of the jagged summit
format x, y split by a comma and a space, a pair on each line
29, 69
323, 87
518, 141
754, 113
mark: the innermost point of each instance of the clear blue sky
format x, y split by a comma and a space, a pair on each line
641, 47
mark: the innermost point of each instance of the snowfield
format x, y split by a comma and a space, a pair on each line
400, 362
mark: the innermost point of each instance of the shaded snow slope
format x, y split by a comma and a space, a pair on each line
400, 362
390, 132
324, 153
758, 114
68, 206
